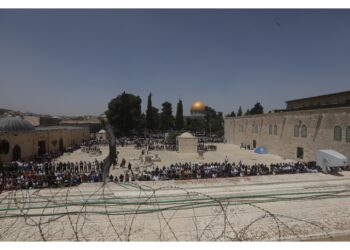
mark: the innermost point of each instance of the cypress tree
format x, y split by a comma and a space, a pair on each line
179, 120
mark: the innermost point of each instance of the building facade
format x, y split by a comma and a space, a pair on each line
293, 135
322, 101
19, 140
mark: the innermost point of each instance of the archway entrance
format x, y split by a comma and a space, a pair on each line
16, 153
254, 143
41, 148
4, 147
60, 145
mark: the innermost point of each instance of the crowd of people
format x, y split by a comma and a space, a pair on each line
93, 149
27, 175
47, 172
215, 170
158, 142
43, 174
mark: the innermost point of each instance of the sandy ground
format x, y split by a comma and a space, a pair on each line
130, 154
259, 208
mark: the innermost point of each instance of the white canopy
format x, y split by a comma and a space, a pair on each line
333, 153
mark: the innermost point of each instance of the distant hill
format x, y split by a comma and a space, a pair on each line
4, 111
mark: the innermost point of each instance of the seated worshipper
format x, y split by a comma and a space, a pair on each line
121, 177
122, 164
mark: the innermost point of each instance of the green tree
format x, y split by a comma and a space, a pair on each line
171, 138
179, 120
196, 124
232, 114
247, 112
214, 121
257, 109
141, 125
124, 113
150, 123
166, 117
156, 118
239, 113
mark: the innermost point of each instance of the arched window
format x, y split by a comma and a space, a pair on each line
4, 147
270, 129
337, 133
275, 129
348, 134
303, 131
256, 128
296, 131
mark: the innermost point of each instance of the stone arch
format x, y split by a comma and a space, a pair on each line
16, 153
4, 147
303, 131
337, 133
61, 145
348, 134
296, 131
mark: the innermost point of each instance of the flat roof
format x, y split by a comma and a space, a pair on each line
312, 97
57, 127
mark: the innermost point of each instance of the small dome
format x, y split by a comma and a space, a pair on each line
102, 131
186, 135
9, 123
197, 107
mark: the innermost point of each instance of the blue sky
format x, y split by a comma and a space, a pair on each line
72, 62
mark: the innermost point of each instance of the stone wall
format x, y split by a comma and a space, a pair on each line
187, 145
28, 141
319, 125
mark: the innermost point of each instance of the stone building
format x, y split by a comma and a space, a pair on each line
186, 143
322, 101
294, 134
93, 123
42, 120
20, 140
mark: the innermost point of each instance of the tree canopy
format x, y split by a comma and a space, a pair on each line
179, 120
232, 114
256, 110
166, 117
125, 116
150, 119
214, 121
239, 113
124, 113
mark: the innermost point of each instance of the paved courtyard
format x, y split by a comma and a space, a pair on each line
132, 155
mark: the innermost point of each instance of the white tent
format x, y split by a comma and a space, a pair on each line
329, 159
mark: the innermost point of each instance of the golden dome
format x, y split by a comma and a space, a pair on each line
197, 106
